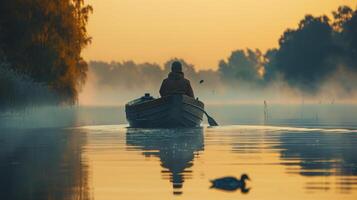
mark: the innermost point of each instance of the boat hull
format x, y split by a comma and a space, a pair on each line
166, 112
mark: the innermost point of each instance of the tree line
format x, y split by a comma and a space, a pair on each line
305, 58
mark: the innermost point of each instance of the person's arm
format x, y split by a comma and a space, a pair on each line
162, 88
189, 90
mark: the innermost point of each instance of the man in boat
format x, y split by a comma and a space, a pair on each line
176, 83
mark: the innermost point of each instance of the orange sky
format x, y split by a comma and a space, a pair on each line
200, 31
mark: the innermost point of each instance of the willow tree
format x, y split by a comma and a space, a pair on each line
44, 39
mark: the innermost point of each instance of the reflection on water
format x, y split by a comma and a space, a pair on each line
322, 154
112, 162
325, 155
176, 149
319, 153
42, 164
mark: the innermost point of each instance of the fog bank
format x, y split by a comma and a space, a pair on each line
117, 83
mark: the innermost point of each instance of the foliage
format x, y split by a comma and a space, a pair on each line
43, 39
308, 55
242, 65
302, 55
346, 25
20, 90
129, 76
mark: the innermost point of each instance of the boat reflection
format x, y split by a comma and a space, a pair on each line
176, 149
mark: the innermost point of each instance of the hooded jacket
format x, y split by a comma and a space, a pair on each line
176, 83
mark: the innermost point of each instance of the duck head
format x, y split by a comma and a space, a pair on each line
244, 177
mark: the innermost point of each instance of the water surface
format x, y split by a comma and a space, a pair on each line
93, 161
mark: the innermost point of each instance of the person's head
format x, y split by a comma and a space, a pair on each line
176, 66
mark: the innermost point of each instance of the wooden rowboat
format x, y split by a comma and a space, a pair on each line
167, 112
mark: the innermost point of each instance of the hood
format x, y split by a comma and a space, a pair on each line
176, 75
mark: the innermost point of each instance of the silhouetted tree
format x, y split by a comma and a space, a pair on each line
44, 39
304, 53
127, 74
269, 65
242, 65
146, 76
345, 24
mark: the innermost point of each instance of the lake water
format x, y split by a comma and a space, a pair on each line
299, 152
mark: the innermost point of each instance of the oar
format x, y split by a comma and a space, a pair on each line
210, 120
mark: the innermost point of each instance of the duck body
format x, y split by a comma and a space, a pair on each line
231, 183
227, 183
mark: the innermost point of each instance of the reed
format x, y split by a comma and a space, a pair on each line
18, 91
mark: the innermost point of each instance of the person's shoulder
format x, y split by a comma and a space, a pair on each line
186, 80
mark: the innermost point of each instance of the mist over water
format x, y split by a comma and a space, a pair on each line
88, 152
117, 83
295, 115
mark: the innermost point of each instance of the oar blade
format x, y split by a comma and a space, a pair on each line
211, 121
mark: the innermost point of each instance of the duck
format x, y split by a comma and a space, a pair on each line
230, 183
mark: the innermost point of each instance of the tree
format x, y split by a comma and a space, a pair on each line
44, 39
242, 65
345, 23
303, 54
269, 65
